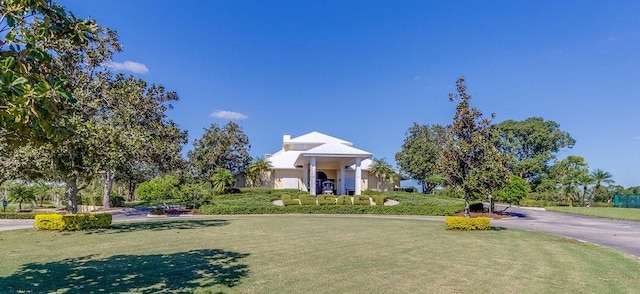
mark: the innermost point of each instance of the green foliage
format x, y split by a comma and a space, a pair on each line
467, 223
307, 200
334, 209
344, 200
257, 170
476, 207
160, 188
531, 144
17, 215
72, 222
220, 147
383, 171
222, 179
326, 200
287, 200
420, 152
116, 201
379, 199
21, 193
361, 200
32, 96
515, 190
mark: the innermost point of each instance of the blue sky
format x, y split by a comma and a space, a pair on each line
364, 71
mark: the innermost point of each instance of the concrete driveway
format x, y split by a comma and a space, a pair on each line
616, 234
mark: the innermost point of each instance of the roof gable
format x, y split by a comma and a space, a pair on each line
317, 137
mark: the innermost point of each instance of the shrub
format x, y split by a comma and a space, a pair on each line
333, 209
72, 222
372, 192
326, 200
344, 200
379, 199
116, 201
16, 215
467, 223
361, 200
287, 200
160, 188
307, 200
476, 207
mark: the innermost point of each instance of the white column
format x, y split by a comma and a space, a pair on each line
305, 177
312, 182
342, 184
358, 178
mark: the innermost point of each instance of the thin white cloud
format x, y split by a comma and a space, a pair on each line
131, 66
225, 114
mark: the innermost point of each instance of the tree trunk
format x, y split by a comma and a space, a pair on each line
584, 195
71, 194
132, 190
424, 188
107, 185
428, 187
467, 209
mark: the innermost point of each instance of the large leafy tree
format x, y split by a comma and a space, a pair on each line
220, 147
383, 171
421, 150
33, 97
530, 144
470, 160
133, 130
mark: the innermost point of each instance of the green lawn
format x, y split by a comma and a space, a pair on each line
605, 212
308, 254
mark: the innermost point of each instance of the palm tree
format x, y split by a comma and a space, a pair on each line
256, 170
600, 176
584, 180
222, 179
21, 193
382, 170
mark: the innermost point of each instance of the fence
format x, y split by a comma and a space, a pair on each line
626, 201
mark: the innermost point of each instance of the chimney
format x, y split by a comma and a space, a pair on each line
286, 138
266, 156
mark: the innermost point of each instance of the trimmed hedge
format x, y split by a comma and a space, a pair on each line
72, 222
307, 200
361, 200
334, 209
17, 215
344, 200
467, 223
287, 200
379, 199
326, 200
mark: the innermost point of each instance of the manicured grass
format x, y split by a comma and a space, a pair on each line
308, 254
604, 212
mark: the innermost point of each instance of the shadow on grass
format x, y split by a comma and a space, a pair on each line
167, 273
498, 228
164, 225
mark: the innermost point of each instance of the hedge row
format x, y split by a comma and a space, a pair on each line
306, 199
334, 209
467, 223
17, 215
73, 222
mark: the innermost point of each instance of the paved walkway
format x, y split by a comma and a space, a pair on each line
616, 234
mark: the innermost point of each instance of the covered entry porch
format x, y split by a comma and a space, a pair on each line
337, 162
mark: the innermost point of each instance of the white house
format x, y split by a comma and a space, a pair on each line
319, 164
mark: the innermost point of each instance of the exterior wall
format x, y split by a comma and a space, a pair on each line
386, 186
280, 176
